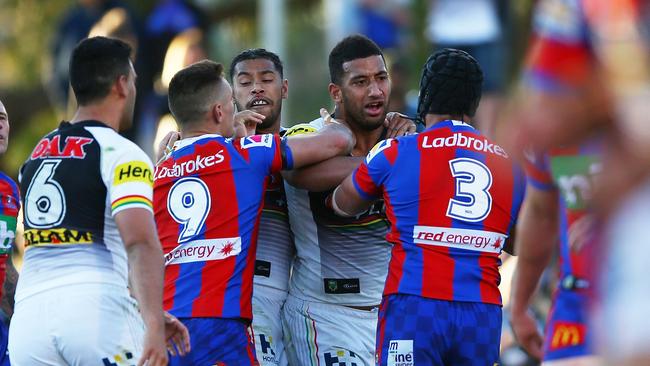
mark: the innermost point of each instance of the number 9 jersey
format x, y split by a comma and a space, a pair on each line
76, 180
452, 196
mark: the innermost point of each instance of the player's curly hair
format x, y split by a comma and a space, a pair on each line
451, 84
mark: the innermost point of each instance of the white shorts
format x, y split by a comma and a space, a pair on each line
622, 319
324, 334
267, 326
76, 325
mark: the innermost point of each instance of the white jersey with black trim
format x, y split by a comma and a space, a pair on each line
338, 260
76, 180
275, 248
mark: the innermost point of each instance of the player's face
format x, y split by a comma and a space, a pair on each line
127, 116
4, 129
258, 86
365, 89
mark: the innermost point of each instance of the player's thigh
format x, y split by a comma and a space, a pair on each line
477, 330
410, 332
267, 328
324, 334
216, 341
31, 341
99, 327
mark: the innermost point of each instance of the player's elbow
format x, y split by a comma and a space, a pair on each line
341, 140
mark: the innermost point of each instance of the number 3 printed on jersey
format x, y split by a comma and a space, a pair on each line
473, 180
45, 200
188, 202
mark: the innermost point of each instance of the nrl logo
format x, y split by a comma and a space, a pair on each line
331, 284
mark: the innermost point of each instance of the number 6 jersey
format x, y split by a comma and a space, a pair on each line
76, 180
452, 196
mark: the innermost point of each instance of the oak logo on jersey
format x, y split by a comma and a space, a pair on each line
400, 353
133, 171
51, 148
256, 141
61, 236
567, 334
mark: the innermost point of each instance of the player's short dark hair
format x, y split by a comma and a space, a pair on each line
451, 84
193, 90
254, 54
95, 64
350, 48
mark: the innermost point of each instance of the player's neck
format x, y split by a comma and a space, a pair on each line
365, 139
200, 129
102, 112
432, 119
274, 128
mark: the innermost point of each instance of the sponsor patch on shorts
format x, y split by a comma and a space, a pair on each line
262, 268
400, 353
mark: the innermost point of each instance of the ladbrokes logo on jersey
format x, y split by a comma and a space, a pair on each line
400, 353
197, 163
459, 140
62, 236
133, 171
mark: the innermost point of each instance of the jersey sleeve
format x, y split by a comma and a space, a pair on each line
560, 58
538, 171
128, 175
369, 177
269, 151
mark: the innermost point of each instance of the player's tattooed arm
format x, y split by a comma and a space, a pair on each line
9, 288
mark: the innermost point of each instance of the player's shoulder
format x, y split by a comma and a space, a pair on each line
304, 128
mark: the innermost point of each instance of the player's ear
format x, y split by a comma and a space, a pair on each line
122, 85
285, 88
217, 112
335, 92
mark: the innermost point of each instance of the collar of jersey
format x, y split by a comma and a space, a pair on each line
190, 140
449, 123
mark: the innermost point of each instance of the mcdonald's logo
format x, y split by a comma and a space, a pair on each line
567, 335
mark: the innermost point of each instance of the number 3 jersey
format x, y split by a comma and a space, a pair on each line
452, 196
76, 180
208, 199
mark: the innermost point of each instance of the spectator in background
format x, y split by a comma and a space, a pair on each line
477, 27
75, 26
383, 21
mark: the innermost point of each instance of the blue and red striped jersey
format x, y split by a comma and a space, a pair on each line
208, 197
452, 196
570, 170
9, 207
